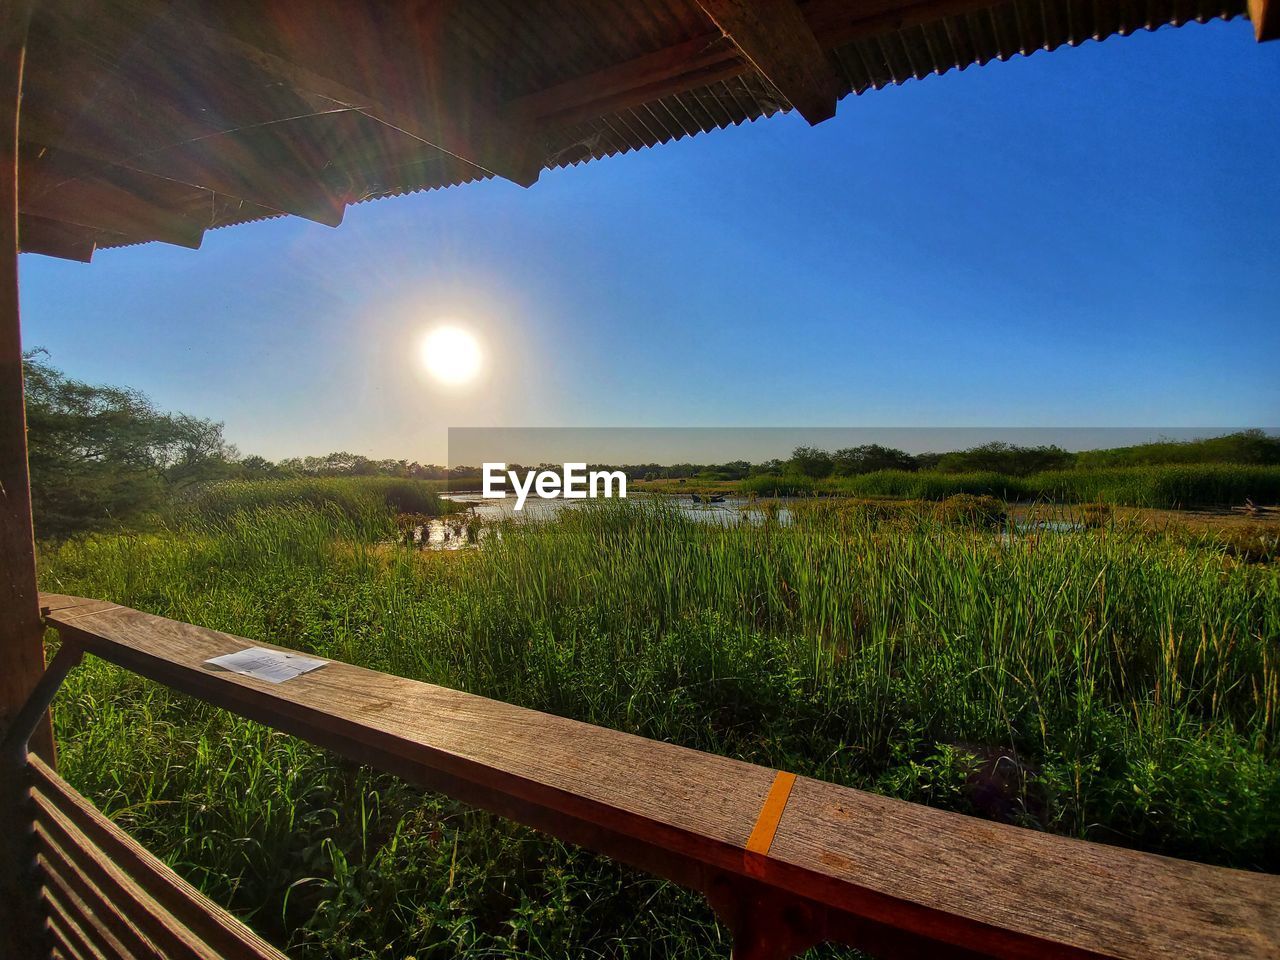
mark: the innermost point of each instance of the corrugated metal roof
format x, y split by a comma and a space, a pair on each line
585, 79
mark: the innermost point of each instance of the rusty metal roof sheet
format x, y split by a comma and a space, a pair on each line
224, 113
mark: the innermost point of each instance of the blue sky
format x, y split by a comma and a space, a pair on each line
1089, 237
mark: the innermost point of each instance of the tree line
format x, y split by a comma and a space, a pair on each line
104, 455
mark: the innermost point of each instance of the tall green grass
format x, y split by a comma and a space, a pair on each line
352, 496
1135, 675
1172, 486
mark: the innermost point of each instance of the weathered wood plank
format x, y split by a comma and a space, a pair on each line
996, 887
67, 607
775, 37
954, 881
690, 800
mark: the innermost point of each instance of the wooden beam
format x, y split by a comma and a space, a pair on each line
21, 630
775, 37
1265, 15
54, 239
503, 146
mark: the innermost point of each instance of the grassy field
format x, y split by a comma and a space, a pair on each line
1174, 486
352, 497
1134, 675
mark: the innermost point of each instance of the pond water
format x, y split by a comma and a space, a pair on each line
466, 528
471, 524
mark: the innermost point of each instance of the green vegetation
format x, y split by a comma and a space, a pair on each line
1167, 487
352, 497
1133, 675
103, 456
775, 485
1216, 472
1248, 446
1118, 683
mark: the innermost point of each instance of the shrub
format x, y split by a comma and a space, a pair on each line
771, 485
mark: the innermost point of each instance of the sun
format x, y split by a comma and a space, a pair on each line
451, 355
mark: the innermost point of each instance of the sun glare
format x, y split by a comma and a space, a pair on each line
451, 355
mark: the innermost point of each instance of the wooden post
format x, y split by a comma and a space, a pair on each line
21, 632
764, 923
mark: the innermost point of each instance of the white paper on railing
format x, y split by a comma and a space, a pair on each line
273, 666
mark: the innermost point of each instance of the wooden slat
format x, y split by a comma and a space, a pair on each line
165, 909
140, 925
102, 921
77, 918
954, 880
69, 939
1265, 15
775, 37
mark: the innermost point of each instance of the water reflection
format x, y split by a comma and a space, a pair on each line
477, 517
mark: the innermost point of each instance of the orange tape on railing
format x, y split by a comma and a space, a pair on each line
767, 822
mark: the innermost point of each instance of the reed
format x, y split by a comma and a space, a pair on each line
354, 496
1134, 674
1167, 486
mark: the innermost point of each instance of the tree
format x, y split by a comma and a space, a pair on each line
811, 462
100, 455
869, 458
1006, 458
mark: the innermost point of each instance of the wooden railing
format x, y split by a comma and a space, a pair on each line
787, 862
105, 896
